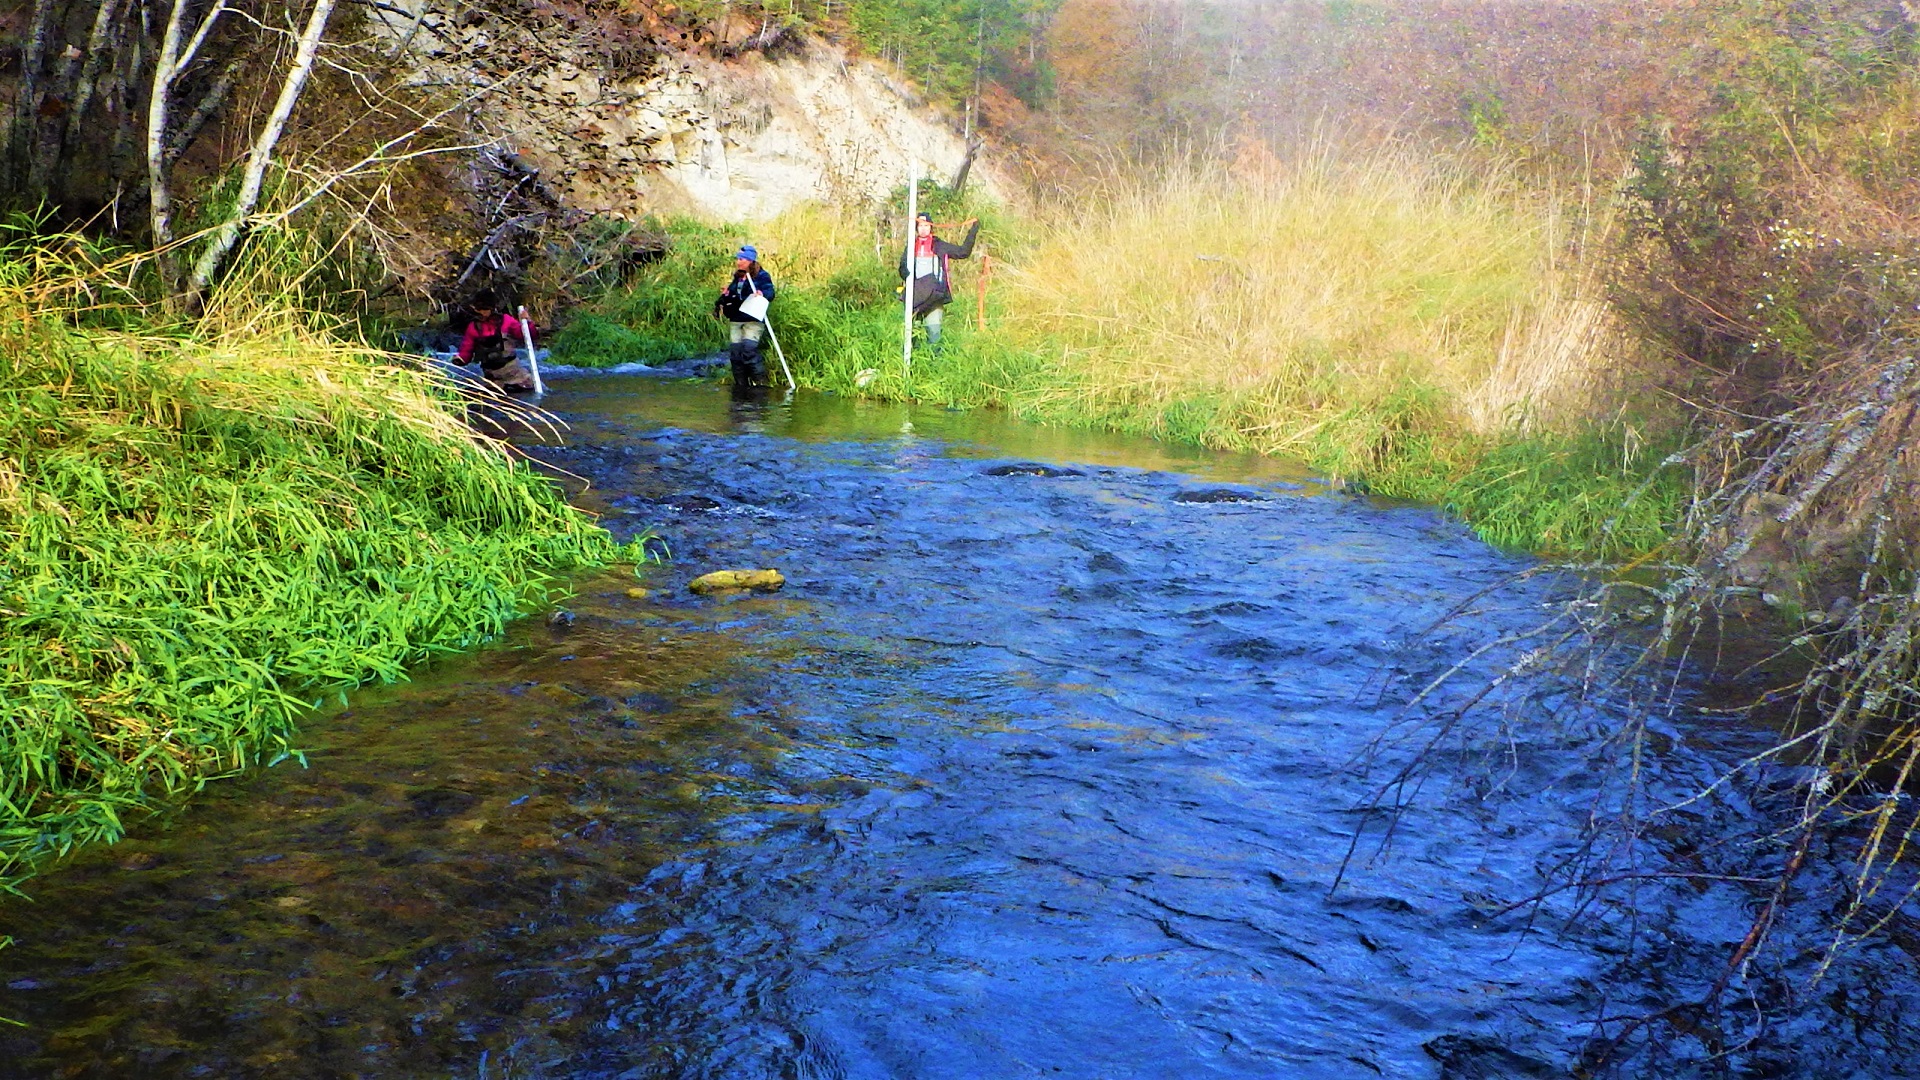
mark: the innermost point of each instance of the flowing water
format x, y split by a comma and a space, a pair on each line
1044, 763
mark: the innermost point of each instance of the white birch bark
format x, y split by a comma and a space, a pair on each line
173, 58
97, 55
68, 101
231, 230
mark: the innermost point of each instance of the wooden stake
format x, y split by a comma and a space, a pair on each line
906, 303
980, 288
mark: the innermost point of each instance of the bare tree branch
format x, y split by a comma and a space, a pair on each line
210, 103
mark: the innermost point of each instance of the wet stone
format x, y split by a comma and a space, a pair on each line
1030, 468
440, 802
719, 581
651, 704
1207, 496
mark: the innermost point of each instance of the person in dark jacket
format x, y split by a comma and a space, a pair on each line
492, 338
931, 283
744, 331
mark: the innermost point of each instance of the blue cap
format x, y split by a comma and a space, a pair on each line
748, 252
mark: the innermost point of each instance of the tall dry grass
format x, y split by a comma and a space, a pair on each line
1292, 291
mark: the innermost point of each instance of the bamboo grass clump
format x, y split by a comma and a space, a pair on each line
199, 528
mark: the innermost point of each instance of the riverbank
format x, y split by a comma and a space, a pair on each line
1419, 327
205, 528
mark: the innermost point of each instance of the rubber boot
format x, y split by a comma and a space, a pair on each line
737, 359
756, 364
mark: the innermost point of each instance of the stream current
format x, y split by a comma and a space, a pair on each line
1043, 764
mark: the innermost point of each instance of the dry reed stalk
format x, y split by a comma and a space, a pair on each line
1547, 365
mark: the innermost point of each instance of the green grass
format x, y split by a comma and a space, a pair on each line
201, 533
1600, 493
664, 313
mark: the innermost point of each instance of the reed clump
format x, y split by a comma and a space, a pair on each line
202, 528
1289, 291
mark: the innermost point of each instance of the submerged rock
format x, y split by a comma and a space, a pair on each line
1220, 495
440, 801
724, 580
1030, 468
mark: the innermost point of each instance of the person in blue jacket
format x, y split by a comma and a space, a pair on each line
743, 330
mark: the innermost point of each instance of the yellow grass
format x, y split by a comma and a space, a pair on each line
1297, 289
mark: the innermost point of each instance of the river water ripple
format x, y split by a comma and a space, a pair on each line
1043, 764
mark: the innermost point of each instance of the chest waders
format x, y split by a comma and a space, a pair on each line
744, 356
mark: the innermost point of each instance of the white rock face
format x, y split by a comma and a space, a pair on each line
727, 140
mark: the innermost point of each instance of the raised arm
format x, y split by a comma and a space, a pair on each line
960, 251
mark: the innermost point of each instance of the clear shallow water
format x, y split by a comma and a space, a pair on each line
1030, 771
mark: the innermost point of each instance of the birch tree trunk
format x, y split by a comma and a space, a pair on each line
131, 38
228, 236
99, 51
57, 111
26, 108
175, 54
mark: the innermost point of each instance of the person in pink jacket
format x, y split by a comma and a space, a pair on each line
491, 338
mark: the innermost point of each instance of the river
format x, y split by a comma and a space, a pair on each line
1044, 763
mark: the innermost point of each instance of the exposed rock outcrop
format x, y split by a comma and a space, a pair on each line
720, 130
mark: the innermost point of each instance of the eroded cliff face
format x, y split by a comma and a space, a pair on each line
715, 128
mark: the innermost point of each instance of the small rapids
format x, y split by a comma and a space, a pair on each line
1044, 763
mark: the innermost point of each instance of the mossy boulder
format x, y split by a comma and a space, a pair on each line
732, 580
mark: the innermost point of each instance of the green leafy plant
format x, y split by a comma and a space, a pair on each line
202, 528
